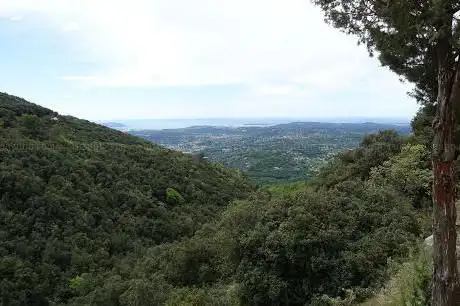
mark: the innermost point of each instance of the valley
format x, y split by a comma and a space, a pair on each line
95, 216
269, 154
230, 153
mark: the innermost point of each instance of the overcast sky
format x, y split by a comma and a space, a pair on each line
114, 59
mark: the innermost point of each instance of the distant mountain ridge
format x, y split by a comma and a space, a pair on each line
401, 127
160, 124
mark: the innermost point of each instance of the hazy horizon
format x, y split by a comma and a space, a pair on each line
195, 59
261, 117
177, 123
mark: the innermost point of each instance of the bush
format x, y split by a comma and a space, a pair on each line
411, 285
219, 295
173, 196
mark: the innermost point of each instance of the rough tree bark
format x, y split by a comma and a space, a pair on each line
444, 290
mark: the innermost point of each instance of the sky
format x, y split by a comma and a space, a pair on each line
132, 59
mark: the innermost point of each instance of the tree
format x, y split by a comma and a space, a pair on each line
31, 125
419, 40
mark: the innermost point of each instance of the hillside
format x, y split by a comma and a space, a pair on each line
93, 216
78, 198
310, 243
270, 154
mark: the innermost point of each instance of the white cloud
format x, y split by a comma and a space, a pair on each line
71, 26
281, 50
181, 42
16, 18
275, 90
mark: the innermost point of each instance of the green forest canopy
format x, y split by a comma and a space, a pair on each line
92, 216
76, 197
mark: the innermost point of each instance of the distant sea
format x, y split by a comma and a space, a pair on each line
161, 124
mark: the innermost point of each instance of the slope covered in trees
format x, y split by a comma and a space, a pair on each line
77, 198
92, 216
419, 40
308, 244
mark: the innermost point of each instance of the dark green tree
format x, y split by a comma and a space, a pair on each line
419, 40
31, 125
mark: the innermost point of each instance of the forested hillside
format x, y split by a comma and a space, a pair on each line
76, 198
310, 243
92, 216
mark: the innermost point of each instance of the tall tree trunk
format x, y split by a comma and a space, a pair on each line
444, 291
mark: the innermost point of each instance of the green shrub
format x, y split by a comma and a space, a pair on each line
352, 297
415, 282
411, 285
173, 196
219, 296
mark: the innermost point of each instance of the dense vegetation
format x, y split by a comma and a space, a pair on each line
269, 154
77, 198
304, 245
92, 216
419, 41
